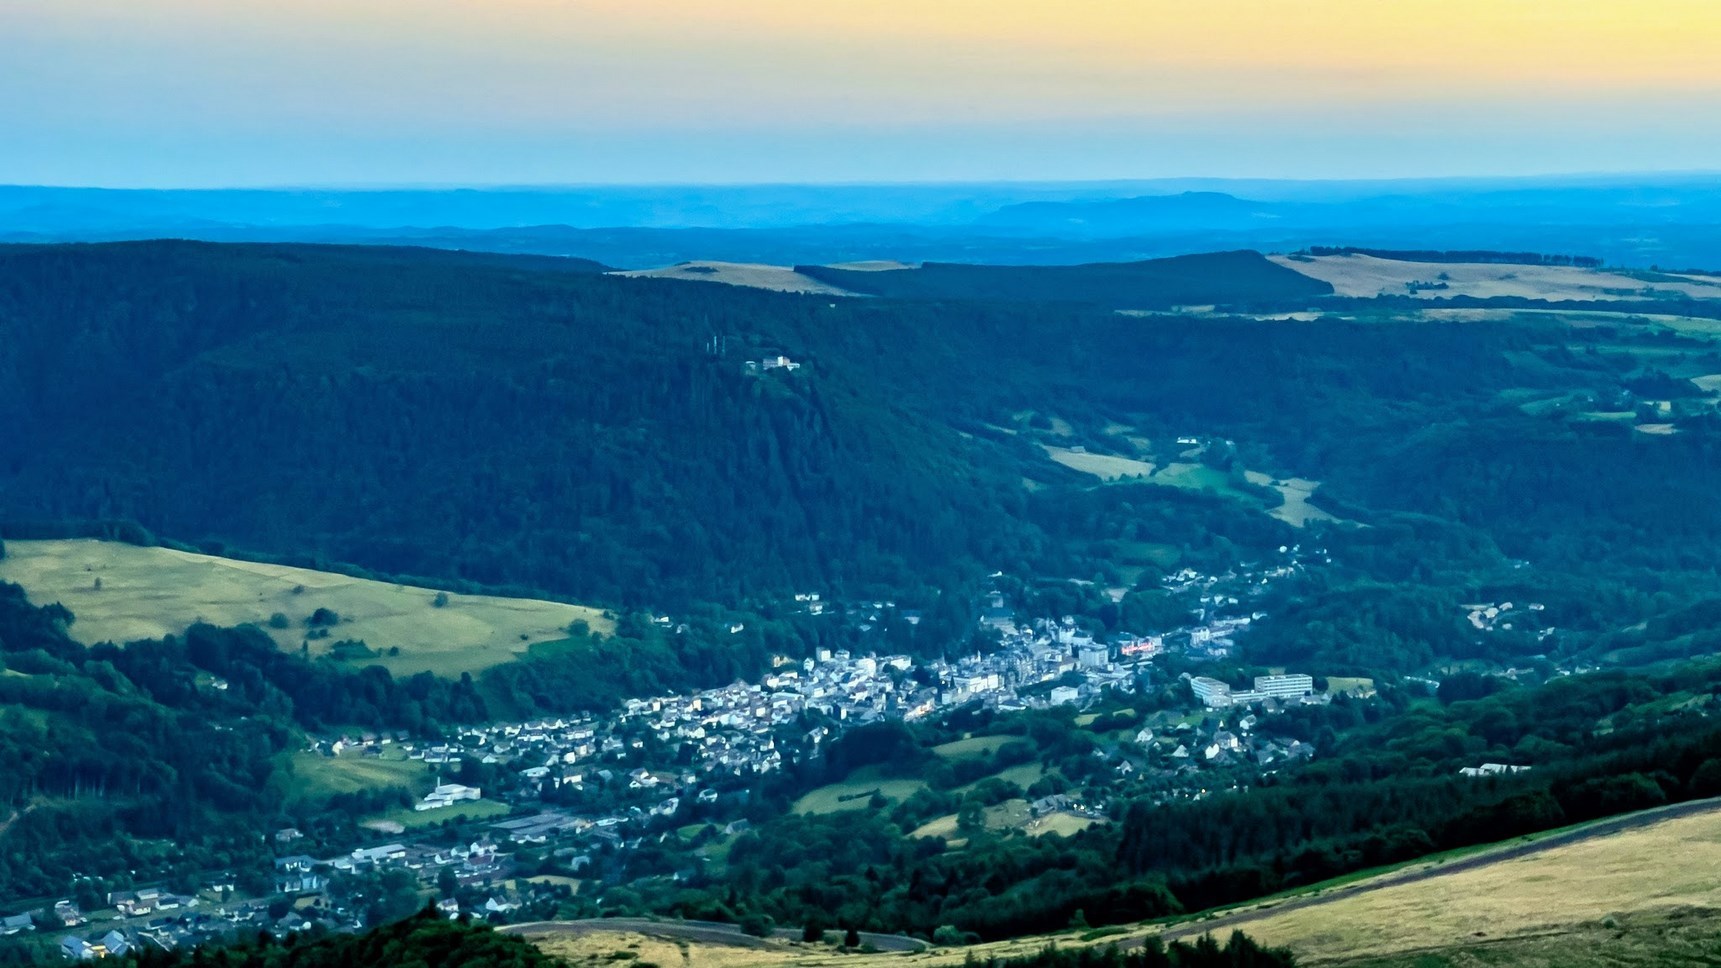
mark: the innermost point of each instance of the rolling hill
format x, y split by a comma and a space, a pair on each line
123, 593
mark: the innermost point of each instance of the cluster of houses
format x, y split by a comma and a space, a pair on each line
1505, 616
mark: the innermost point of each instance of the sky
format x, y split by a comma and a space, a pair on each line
216, 93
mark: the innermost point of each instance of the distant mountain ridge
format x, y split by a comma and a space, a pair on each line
1139, 215
1641, 220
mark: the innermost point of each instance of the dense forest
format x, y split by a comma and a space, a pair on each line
528, 424
426, 939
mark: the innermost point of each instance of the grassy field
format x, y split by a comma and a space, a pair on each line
599, 948
1296, 511
746, 274
1106, 467
151, 592
317, 777
1681, 939
1023, 775
1367, 276
1650, 873
971, 748
1009, 815
853, 793
1062, 824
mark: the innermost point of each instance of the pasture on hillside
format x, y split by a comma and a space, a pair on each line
1651, 872
317, 777
123, 593
1367, 276
855, 793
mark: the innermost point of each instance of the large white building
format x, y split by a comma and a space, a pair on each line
1212, 692
1284, 687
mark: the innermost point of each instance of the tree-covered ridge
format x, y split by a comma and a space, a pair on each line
488, 419
426, 940
565, 431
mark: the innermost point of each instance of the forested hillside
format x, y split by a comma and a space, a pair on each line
508, 425
531, 423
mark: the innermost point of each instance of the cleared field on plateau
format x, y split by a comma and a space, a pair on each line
147, 593
748, 274
1368, 276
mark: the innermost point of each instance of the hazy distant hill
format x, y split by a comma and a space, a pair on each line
1634, 220
1213, 211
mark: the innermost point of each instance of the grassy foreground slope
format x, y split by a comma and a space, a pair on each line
146, 593
1639, 889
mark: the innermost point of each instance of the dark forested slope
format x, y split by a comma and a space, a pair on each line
530, 422
493, 422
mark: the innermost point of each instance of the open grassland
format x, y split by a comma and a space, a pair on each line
1680, 939
1296, 511
1023, 775
1649, 873
316, 777
658, 947
1367, 276
748, 274
1009, 815
856, 792
147, 593
1060, 823
1106, 467
1110, 468
973, 747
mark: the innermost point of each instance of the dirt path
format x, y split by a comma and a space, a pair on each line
1602, 828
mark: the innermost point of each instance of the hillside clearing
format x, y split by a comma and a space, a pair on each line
316, 776
855, 793
1106, 467
147, 593
1296, 511
973, 747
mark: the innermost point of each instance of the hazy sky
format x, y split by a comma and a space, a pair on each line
258, 92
